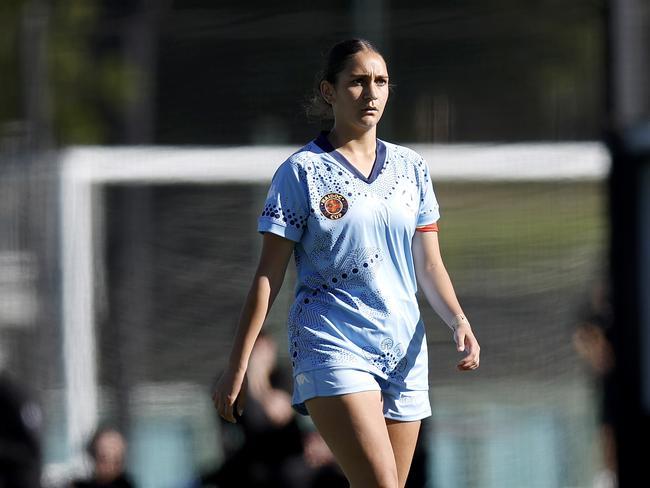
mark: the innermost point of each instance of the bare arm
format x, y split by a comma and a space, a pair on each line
436, 285
272, 266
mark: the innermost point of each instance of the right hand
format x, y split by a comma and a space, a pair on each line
230, 392
466, 342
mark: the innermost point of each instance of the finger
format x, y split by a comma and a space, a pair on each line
471, 358
227, 410
469, 361
216, 400
227, 414
241, 398
464, 364
460, 341
471, 346
467, 367
475, 351
468, 364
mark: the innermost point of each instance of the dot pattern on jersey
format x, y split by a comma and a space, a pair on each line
347, 281
390, 359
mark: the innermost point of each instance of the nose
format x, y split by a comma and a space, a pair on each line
371, 94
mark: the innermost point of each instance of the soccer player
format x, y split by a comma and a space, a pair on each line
360, 216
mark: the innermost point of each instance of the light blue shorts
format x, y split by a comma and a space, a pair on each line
399, 403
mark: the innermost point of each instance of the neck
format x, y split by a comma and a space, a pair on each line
355, 141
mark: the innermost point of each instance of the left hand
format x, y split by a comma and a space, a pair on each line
230, 394
466, 342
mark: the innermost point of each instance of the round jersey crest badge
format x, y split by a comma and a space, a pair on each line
333, 206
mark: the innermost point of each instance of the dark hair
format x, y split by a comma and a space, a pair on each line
334, 62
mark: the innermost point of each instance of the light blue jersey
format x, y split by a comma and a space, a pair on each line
355, 304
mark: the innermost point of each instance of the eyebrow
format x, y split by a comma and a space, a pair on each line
366, 75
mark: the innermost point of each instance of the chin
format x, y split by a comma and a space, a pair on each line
369, 124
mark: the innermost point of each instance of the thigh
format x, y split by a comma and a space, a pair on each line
354, 428
403, 438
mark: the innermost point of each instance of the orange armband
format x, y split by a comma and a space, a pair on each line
428, 228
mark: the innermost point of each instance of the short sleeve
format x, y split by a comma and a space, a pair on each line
286, 209
429, 212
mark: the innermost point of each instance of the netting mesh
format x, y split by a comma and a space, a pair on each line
177, 260
522, 255
172, 265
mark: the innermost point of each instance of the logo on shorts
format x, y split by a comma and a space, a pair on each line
301, 379
333, 206
408, 399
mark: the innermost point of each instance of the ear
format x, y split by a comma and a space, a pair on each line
327, 92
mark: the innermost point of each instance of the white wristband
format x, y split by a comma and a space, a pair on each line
457, 321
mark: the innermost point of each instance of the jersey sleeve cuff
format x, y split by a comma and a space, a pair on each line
268, 225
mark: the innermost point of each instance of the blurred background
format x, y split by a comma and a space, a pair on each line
137, 142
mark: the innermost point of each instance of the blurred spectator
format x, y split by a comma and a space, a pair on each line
275, 451
592, 341
325, 472
107, 448
20, 423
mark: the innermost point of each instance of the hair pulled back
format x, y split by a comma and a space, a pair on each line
339, 54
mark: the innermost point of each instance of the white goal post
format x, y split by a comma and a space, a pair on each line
84, 170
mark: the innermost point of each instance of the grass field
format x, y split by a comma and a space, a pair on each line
508, 223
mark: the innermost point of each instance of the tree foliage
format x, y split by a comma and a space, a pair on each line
87, 86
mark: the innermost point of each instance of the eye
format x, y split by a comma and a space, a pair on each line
358, 81
381, 82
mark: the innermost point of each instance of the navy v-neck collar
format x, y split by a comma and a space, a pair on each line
380, 157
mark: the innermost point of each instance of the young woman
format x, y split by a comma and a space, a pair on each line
359, 214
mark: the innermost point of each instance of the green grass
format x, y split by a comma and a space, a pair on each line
509, 223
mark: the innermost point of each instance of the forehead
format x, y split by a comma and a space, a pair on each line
109, 442
366, 62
